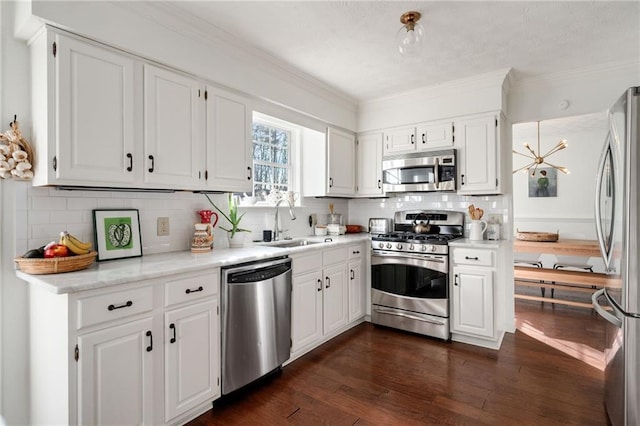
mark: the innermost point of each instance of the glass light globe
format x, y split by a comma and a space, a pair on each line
409, 41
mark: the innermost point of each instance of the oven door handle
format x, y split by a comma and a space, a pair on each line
413, 317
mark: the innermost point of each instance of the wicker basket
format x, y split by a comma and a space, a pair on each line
55, 265
537, 236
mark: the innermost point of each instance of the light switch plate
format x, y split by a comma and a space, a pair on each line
163, 226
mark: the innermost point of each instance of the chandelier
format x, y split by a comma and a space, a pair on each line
411, 35
539, 159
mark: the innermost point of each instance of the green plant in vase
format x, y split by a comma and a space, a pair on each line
233, 218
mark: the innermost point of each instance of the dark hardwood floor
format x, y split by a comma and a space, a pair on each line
377, 376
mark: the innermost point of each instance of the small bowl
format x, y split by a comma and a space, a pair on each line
320, 230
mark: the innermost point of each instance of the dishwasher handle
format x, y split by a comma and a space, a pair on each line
258, 272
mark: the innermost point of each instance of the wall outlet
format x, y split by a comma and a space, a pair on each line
163, 226
495, 218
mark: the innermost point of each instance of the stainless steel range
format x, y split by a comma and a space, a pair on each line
410, 272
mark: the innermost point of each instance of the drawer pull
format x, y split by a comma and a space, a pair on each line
150, 347
172, 326
471, 258
194, 291
124, 305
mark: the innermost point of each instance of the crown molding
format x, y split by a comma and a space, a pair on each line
561, 77
175, 19
481, 81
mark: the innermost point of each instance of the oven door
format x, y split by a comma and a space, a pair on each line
413, 283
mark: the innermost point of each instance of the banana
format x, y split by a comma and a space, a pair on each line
78, 243
65, 240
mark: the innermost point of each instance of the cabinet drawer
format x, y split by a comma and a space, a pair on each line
356, 252
306, 263
191, 288
337, 255
462, 256
112, 306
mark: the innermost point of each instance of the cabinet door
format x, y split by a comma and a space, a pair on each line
173, 129
369, 165
398, 140
115, 375
434, 135
95, 115
477, 155
306, 310
229, 141
335, 296
341, 163
356, 291
192, 357
473, 301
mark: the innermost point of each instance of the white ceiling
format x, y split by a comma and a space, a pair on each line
349, 45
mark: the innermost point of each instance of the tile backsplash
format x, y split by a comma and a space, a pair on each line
41, 213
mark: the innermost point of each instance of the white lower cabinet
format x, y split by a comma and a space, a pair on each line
115, 375
325, 300
142, 353
476, 293
191, 357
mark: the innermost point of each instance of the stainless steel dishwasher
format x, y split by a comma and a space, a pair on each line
256, 320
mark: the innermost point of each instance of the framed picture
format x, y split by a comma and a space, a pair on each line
544, 183
117, 233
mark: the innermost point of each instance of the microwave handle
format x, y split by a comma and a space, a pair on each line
436, 172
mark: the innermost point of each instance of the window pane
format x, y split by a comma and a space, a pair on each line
262, 173
280, 156
261, 133
262, 152
281, 175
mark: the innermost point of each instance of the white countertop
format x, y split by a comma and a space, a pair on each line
114, 272
486, 244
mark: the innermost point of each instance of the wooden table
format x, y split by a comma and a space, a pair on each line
563, 247
558, 278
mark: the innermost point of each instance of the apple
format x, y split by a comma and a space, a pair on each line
56, 250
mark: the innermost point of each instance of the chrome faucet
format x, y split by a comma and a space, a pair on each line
276, 231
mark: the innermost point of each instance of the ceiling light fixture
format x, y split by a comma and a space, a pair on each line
538, 159
410, 36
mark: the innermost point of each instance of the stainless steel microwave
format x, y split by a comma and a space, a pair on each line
420, 172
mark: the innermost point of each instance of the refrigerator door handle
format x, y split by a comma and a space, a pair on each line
598, 198
613, 319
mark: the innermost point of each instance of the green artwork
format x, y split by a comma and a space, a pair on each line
118, 233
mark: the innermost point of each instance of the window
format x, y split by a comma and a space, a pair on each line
273, 145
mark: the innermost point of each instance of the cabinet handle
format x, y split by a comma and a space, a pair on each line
455, 281
330, 182
379, 184
153, 164
249, 174
130, 157
356, 252
319, 285
150, 336
328, 282
124, 305
471, 258
353, 275
172, 326
423, 138
413, 139
194, 291
55, 164
461, 179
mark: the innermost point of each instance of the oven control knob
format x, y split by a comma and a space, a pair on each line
411, 247
432, 248
388, 245
399, 246
381, 245
423, 248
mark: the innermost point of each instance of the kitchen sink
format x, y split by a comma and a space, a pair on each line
293, 243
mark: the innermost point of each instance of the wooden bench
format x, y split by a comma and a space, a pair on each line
583, 282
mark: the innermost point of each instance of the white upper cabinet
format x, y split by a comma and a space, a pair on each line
477, 152
369, 165
399, 140
419, 137
173, 123
84, 114
229, 141
341, 165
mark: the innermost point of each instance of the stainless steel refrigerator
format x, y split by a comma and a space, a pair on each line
617, 227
